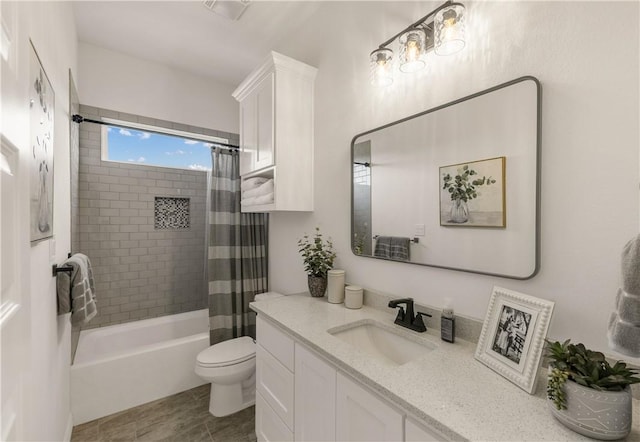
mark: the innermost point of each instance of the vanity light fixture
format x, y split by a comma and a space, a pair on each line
381, 67
442, 30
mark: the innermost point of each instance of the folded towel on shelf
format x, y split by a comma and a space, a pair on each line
264, 199
264, 189
257, 200
76, 290
631, 266
623, 336
252, 183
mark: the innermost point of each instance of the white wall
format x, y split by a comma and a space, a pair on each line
45, 341
116, 81
586, 57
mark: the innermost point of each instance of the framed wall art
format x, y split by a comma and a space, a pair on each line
41, 108
513, 334
473, 194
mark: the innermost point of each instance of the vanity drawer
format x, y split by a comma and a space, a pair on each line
275, 383
275, 341
269, 427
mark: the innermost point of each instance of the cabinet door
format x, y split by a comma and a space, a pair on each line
315, 397
275, 383
415, 432
269, 427
264, 154
362, 416
248, 133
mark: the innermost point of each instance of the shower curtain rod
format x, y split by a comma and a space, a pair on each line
80, 119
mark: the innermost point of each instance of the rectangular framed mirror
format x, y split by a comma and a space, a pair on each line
456, 186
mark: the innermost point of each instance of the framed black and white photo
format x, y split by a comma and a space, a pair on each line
513, 334
41, 108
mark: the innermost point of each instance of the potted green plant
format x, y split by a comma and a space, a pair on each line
318, 256
586, 393
462, 189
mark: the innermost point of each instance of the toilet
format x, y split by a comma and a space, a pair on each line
230, 366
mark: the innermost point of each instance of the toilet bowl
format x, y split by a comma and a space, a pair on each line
230, 366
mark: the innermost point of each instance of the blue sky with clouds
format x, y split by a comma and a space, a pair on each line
134, 146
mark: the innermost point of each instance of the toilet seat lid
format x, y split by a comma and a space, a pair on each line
228, 352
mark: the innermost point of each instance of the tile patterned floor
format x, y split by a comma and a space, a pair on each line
183, 417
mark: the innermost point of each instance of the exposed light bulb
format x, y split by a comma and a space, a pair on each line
381, 66
412, 48
449, 25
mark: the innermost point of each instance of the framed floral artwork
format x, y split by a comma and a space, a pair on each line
513, 334
473, 194
41, 108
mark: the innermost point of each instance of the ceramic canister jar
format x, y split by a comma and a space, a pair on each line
353, 296
335, 286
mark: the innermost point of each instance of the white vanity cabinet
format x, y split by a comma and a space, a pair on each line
274, 383
417, 432
362, 416
315, 397
276, 131
302, 397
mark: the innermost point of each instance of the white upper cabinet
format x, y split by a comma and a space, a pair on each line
257, 127
276, 133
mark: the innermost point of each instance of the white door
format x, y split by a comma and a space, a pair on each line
315, 397
362, 416
12, 318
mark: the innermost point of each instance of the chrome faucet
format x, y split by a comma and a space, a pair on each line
407, 318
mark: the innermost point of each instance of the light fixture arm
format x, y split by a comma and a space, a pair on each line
419, 22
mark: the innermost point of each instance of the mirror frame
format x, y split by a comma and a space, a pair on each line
538, 157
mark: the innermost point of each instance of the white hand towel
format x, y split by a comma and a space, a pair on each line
252, 183
263, 189
264, 199
248, 201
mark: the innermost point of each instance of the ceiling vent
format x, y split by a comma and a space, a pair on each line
231, 9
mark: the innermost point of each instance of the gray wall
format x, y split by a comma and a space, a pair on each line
140, 272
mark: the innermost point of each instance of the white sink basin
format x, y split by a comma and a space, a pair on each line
382, 342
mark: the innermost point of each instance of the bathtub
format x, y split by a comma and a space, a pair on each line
125, 365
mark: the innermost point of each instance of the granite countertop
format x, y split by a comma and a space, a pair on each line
447, 388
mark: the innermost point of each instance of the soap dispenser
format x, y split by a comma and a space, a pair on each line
447, 323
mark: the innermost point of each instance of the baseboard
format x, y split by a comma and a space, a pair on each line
69, 429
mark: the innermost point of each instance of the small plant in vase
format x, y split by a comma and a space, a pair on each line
462, 189
318, 256
585, 391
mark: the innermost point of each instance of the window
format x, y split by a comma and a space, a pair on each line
154, 146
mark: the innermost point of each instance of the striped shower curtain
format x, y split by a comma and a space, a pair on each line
237, 256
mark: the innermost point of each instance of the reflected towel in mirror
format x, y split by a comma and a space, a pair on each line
392, 247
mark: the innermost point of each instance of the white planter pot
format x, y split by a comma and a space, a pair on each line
604, 415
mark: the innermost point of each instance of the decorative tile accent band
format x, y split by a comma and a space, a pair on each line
171, 213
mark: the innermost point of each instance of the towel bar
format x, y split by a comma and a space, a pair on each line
55, 269
414, 240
